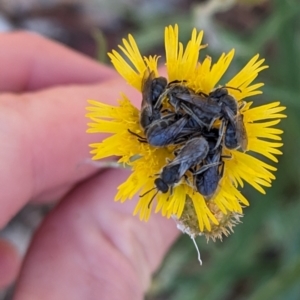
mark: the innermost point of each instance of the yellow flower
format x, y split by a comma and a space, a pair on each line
212, 217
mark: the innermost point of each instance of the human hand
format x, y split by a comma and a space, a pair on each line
88, 247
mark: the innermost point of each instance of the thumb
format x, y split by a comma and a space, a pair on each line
91, 247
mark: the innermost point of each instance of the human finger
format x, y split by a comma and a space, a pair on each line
91, 247
44, 149
29, 62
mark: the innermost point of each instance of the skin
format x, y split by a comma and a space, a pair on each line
88, 247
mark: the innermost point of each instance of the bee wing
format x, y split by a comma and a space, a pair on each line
231, 116
147, 88
241, 133
184, 165
168, 134
194, 99
174, 130
192, 153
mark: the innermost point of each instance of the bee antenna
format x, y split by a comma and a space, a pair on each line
203, 94
152, 199
233, 88
147, 192
135, 134
199, 258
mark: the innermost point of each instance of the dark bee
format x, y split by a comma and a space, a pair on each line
160, 129
152, 88
201, 108
235, 134
207, 179
190, 155
226, 101
166, 131
169, 130
208, 173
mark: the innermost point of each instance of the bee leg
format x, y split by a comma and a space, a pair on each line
230, 116
221, 134
193, 169
159, 101
175, 102
206, 167
211, 124
180, 140
171, 191
203, 94
186, 178
166, 111
242, 105
227, 156
222, 169
176, 81
168, 116
176, 152
168, 160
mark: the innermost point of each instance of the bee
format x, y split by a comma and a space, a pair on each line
207, 178
160, 129
235, 134
152, 88
188, 156
226, 101
201, 108
167, 131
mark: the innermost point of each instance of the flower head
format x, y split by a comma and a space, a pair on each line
195, 213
